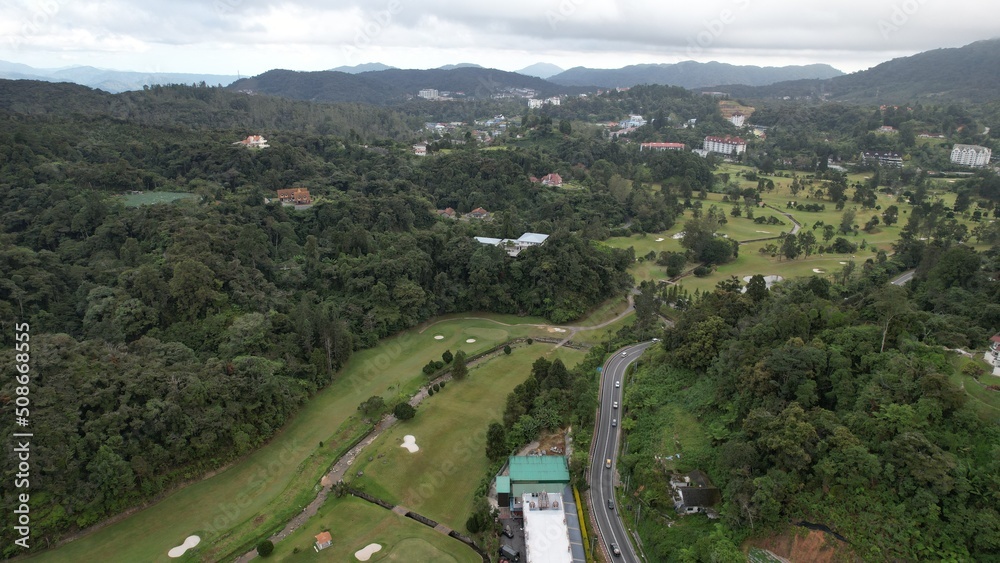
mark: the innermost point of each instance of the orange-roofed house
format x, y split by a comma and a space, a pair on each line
479, 213
552, 180
254, 141
295, 196
323, 541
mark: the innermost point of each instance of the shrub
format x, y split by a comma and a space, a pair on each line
265, 548
430, 391
702, 271
404, 411
530, 341
506, 349
447, 356
437, 387
442, 384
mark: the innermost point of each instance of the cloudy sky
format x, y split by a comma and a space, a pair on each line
252, 36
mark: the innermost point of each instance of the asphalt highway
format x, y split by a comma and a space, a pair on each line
606, 438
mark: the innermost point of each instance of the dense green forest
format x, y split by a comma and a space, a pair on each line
831, 403
169, 339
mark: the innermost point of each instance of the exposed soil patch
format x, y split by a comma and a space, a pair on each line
800, 545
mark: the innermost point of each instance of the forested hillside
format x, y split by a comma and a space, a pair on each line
169, 339
828, 403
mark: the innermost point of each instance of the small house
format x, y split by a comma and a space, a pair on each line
479, 213
552, 180
323, 541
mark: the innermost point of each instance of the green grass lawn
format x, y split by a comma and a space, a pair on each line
256, 496
355, 523
604, 312
439, 480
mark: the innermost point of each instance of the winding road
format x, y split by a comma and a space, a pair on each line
605, 450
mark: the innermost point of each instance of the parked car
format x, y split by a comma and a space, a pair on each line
508, 532
509, 553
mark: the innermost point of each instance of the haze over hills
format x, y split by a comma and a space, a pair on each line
965, 73
363, 67
541, 70
690, 74
113, 81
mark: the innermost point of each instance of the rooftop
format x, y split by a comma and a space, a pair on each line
503, 484
539, 468
533, 238
546, 535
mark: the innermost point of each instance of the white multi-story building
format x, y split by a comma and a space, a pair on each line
429, 94
554, 100
738, 119
515, 246
970, 155
533, 103
725, 145
632, 121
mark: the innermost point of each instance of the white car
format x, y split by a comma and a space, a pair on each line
614, 405
656, 340
624, 353
618, 383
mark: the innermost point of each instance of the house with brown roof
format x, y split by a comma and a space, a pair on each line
323, 541
552, 179
446, 212
479, 213
295, 196
254, 142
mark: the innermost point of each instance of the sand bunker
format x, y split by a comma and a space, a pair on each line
366, 553
818, 271
470, 341
765, 232
410, 443
843, 263
678, 236
556, 329
659, 240
438, 337
189, 543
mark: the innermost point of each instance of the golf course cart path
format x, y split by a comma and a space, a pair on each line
340, 468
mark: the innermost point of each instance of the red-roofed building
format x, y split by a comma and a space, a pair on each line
726, 145
295, 196
995, 343
447, 212
479, 213
662, 147
254, 141
323, 541
534, 179
552, 180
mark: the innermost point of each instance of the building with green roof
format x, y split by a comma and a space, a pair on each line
531, 474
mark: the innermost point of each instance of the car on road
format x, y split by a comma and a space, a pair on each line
615, 550
614, 405
614, 422
607, 463
656, 340
618, 383
624, 353
611, 504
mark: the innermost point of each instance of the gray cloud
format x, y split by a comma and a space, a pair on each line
229, 31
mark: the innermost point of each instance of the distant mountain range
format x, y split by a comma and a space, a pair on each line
690, 74
364, 67
394, 85
966, 73
541, 70
113, 81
